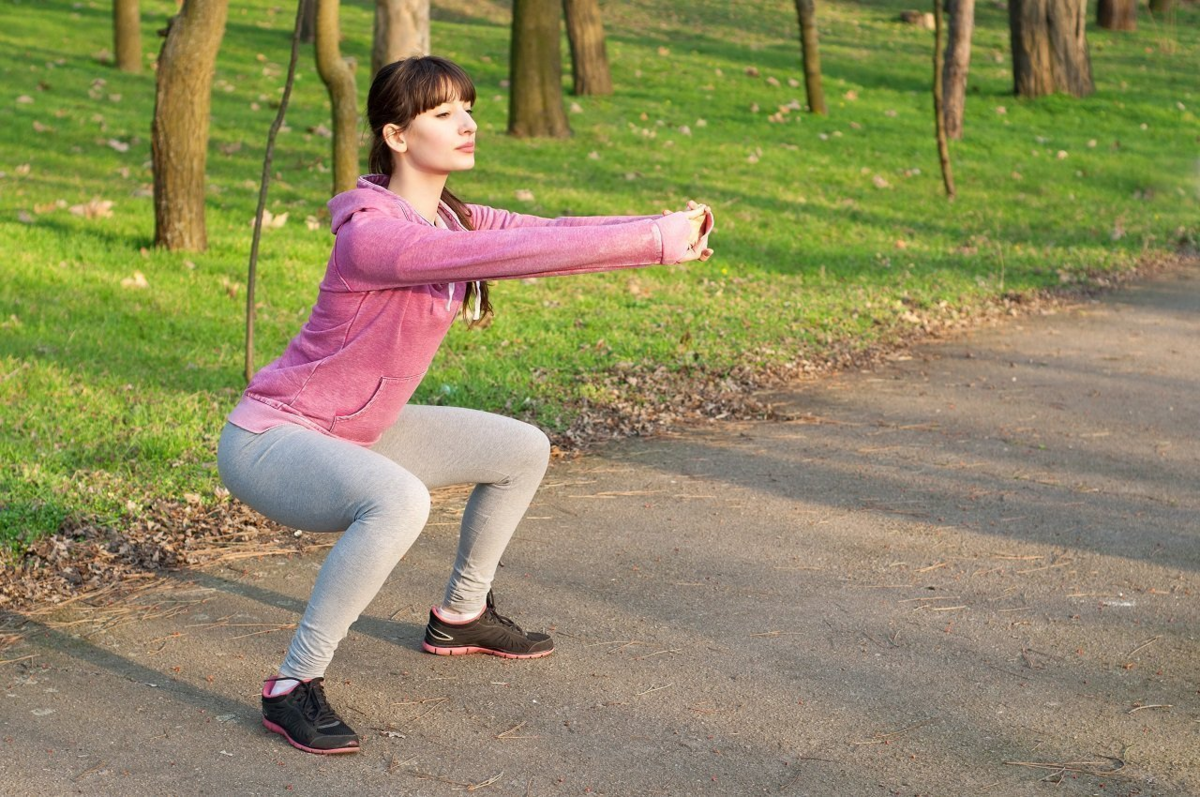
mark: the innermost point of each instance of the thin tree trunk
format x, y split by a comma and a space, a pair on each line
127, 35
251, 277
179, 134
338, 74
535, 71
939, 117
589, 57
401, 30
1117, 14
806, 10
1160, 8
1049, 47
958, 62
308, 23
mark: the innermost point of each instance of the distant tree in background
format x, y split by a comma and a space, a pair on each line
1049, 47
338, 74
1160, 8
535, 71
308, 21
127, 35
1117, 14
589, 56
179, 133
806, 10
401, 30
957, 64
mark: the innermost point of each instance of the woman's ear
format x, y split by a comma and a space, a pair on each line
393, 136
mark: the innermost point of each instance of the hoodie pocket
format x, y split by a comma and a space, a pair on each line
367, 423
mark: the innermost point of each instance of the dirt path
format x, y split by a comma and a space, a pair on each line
971, 561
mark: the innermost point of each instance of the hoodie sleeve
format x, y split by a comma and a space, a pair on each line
375, 250
488, 218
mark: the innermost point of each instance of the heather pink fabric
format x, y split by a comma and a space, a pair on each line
389, 296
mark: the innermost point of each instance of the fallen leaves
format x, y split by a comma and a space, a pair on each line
94, 209
138, 280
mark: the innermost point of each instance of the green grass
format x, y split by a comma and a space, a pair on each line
111, 396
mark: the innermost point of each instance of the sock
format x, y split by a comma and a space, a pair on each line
280, 685
451, 616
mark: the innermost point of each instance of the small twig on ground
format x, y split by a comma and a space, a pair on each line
89, 771
779, 633
654, 689
1152, 705
22, 658
882, 738
1083, 767
657, 653
1145, 644
517, 727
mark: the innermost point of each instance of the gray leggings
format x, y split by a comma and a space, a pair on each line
380, 498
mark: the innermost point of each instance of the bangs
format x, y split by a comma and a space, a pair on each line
445, 82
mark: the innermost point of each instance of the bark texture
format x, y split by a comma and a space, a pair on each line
127, 35
939, 117
589, 56
401, 30
308, 21
810, 53
535, 71
1049, 47
958, 61
338, 74
1117, 14
179, 133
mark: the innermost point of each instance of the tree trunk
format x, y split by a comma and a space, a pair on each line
958, 62
127, 35
939, 116
179, 134
589, 58
338, 74
1049, 47
1160, 8
535, 71
810, 54
308, 21
1117, 14
401, 30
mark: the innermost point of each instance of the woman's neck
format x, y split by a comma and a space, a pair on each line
422, 191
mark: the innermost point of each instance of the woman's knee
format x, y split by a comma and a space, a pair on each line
400, 497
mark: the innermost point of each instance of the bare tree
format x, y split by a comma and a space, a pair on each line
338, 74
1117, 14
958, 62
308, 21
535, 71
1049, 47
401, 30
127, 35
810, 54
938, 114
179, 134
1160, 8
252, 273
589, 56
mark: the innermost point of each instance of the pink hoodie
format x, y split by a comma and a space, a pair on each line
389, 297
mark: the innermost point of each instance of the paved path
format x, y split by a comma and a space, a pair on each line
984, 553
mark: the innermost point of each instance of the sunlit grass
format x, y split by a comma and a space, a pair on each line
829, 228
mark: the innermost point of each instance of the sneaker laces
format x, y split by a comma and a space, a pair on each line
499, 618
316, 706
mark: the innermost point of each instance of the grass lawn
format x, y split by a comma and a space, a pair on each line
118, 362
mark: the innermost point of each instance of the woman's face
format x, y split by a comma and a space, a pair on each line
438, 141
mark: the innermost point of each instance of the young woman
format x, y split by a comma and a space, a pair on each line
322, 439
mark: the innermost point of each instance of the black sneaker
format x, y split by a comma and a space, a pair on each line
490, 633
307, 721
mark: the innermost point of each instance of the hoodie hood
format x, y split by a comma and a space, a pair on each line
370, 193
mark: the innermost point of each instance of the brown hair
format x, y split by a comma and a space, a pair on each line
402, 91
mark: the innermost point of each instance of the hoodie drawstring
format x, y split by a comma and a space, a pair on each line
478, 300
